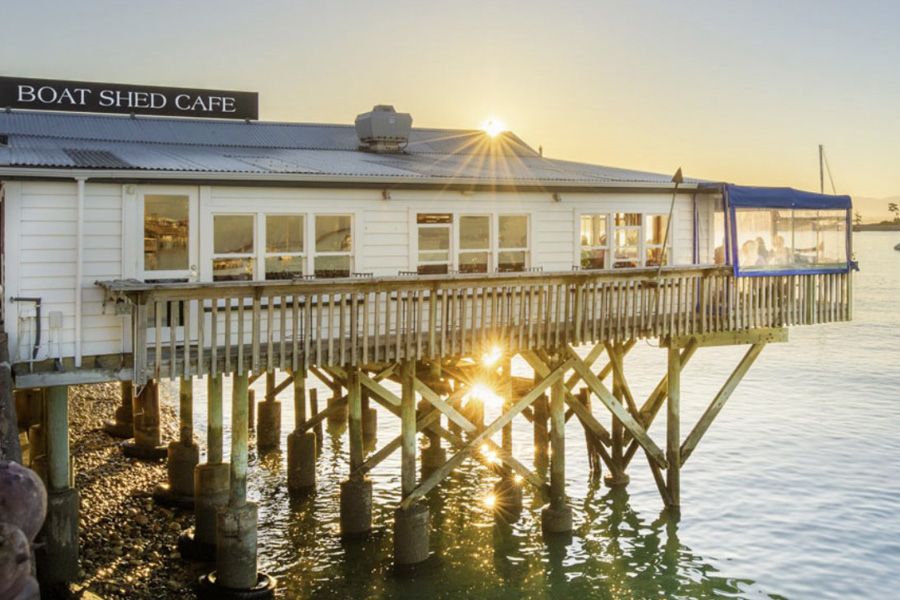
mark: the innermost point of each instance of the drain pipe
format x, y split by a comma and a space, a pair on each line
79, 266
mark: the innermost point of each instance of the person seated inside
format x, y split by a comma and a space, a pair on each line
780, 255
719, 255
749, 254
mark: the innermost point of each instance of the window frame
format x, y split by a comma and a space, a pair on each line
253, 256
419, 263
264, 243
489, 249
648, 246
314, 252
580, 247
192, 271
498, 249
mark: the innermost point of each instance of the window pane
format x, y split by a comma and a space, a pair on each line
655, 229
333, 234
593, 230
332, 266
284, 267
233, 234
434, 238
832, 247
434, 257
434, 218
593, 259
166, 233
473, 262
433, 269
284, 233
654, 255
511, 260
474, 233
232, 269
513, 231
628, 219
805, 237
752, 226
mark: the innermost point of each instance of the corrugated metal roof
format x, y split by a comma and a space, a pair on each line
57, 140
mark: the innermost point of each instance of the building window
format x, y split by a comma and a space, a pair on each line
513, 243
285, 249
594, 241
434, 243
474, 244
166, 232
233, 247
627, 237
654, 236
334, 246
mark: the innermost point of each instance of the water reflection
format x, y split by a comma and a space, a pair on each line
613, 553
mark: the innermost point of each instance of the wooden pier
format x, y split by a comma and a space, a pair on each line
442, 339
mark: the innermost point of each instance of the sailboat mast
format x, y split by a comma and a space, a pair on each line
821, 169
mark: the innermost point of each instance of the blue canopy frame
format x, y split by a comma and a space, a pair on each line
784, 198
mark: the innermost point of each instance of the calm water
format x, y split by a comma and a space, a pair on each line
793, 493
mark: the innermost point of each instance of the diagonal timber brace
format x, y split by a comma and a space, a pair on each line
438, 475
696, 434
617, 409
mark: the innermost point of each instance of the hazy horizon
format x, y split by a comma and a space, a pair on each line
727, 91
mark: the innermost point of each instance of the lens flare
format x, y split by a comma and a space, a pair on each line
490, 358
493, 127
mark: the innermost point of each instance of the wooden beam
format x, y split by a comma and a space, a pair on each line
617, 409
673, 429
443, 406
696, 434
761, 335
438, 475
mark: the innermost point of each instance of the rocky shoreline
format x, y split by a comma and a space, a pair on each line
128, 543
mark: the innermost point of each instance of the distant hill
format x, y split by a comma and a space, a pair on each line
874, 210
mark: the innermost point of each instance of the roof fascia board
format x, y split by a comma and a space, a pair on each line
332, 181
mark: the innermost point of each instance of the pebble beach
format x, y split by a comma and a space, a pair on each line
128, 542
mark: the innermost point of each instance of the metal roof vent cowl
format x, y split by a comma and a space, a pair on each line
383, 129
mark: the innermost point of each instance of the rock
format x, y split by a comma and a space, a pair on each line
23, 498
141, 520
15, 560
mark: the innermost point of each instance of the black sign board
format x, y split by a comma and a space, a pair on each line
49, 94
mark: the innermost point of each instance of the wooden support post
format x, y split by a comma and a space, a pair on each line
58, 556
185, 412
540, 418
506, 392
314, 412
557, 444
183, 454
557, 517
239, 435
408, 428
57, 436
673, 430
299, 379
354, 400
617, 475
214, 443
147, 440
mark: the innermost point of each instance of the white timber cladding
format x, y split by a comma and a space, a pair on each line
41, 257
41, 240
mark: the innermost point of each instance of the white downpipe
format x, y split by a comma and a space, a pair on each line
79, 266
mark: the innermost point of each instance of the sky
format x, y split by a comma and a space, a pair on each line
728, 90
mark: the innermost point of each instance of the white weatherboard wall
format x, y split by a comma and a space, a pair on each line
41, 242
41, 262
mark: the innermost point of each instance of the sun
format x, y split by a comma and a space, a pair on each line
493, 127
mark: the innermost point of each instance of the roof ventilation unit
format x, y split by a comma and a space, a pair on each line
383, 129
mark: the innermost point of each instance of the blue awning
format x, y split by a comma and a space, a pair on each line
771, 197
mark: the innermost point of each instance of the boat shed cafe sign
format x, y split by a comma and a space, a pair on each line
50, 94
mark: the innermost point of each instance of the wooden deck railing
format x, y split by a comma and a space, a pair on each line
254, 326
